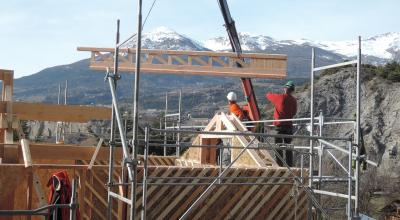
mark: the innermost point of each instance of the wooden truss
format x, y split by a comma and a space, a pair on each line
205, 63
228, 123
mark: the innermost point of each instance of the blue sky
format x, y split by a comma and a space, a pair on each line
38, 34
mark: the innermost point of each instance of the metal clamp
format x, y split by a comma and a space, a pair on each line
111, 75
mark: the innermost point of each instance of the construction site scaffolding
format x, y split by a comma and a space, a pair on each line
314, 184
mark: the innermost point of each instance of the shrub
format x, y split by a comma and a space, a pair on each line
390, 71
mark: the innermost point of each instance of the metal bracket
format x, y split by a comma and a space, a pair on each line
111, 75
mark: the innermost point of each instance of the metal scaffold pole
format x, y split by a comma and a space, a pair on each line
135, 110
178, 140
145, 172
349, 189
165, 123
320, 155
310, 183
59, 94
112, 132
358, 127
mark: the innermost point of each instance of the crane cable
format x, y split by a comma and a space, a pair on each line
148, 13
145, 20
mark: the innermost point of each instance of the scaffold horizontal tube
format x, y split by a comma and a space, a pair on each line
335, 65
346, 152
341, 195
172, 115
251, 134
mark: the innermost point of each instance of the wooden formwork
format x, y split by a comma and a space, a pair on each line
253, 188
269, 197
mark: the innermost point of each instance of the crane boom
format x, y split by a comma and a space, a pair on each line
251, 107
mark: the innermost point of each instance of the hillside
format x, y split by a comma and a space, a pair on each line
380, 106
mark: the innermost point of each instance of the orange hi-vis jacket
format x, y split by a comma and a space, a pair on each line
236, 110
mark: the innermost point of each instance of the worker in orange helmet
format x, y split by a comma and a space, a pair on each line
234, 108
285, 108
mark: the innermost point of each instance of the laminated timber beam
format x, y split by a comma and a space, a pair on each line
206, 63
53, 112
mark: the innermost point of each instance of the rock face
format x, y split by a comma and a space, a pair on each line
335, 96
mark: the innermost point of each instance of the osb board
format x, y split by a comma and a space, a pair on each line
159, 160
245, 159
192, 153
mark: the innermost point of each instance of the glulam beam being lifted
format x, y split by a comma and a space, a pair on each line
206, 63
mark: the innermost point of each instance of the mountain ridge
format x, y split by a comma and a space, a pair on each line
43, 86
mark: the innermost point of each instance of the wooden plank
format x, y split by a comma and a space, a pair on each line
39, 190
155, 192
181, 195
29, 191
96, 210
218, 190
239, 195
68, 152
291, 208
270, 194
98, 197
82, 181
193, 194
172, 192
280, 206
53, 112
242, 205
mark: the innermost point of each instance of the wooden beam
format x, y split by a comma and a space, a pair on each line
53, 112
52, 151
7, 76
206, 63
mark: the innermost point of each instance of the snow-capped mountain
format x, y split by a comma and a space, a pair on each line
384, 46
167, 39
378, 49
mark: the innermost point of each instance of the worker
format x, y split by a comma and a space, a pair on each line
285, 108
234, 108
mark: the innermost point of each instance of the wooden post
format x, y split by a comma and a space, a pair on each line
9, 151
26, 153
6, 119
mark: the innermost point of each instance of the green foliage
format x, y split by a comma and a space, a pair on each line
390, 71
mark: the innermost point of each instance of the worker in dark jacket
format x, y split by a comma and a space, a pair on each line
285, 108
